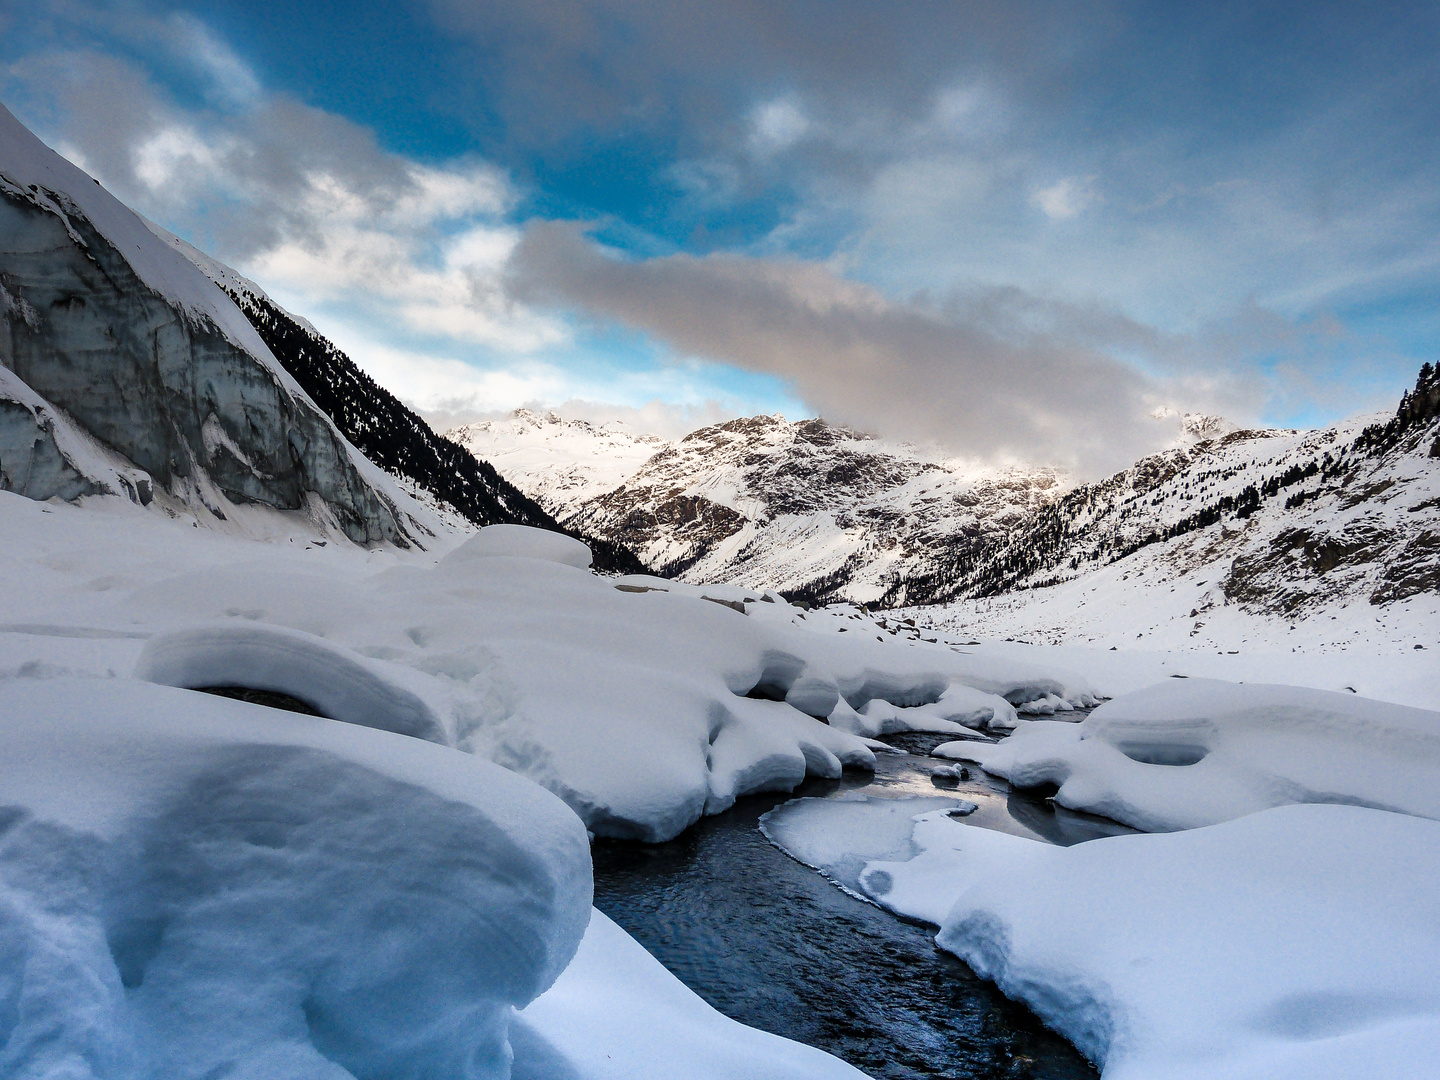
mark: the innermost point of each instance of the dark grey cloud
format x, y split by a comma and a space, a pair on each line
556, 71
972, 374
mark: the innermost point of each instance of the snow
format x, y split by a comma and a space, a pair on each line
558, 463
336, 682
643, 710
1298, 942
841, 836
520, 541
1191, 752
617, 1014
194, 886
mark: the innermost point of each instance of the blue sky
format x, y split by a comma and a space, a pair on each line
1020, 230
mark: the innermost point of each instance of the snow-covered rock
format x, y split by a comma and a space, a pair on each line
1191, 752
518, 541
1298, 943
195, 887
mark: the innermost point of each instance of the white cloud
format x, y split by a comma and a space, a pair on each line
1065, 199
231, 79
777, 125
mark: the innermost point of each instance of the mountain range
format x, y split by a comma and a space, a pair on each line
815, 510
133, 365
1291, 519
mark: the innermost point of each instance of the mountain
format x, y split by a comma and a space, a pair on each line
133, 364
559, 463
1288, 521
817, 511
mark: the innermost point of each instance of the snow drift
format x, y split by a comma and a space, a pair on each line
643, 706
1294, 944
1191, 752
195, 887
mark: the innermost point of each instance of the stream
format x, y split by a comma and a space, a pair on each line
775, 945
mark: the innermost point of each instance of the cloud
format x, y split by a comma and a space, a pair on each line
991, 382
231, 79
777, 125
1065, 198
299, 199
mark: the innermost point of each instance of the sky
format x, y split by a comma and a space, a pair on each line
1027, 232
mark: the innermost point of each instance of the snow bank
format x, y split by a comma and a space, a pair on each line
642, 703
1192, 752
840, 836
192, 887
521, 541
337, 683
617, 1014
1298, 943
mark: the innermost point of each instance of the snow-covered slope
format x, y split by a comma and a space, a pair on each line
1252, 533
129, 372
558, 463
815, 510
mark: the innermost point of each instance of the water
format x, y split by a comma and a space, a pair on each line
776, 946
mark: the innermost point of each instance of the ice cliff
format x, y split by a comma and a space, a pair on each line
127, 371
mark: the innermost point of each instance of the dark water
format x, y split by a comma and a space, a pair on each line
773, 944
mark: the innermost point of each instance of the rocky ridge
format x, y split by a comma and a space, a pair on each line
1290, 520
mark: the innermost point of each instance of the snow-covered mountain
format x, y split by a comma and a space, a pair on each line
132, 364
815, 510
558, 463
1283, 523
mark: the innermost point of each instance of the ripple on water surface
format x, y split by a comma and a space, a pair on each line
775, 945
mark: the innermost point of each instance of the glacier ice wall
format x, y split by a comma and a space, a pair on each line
163, 386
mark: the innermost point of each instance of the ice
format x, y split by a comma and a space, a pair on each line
1192, 752
617, 1014
1298, 943
840, 836
196, 887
